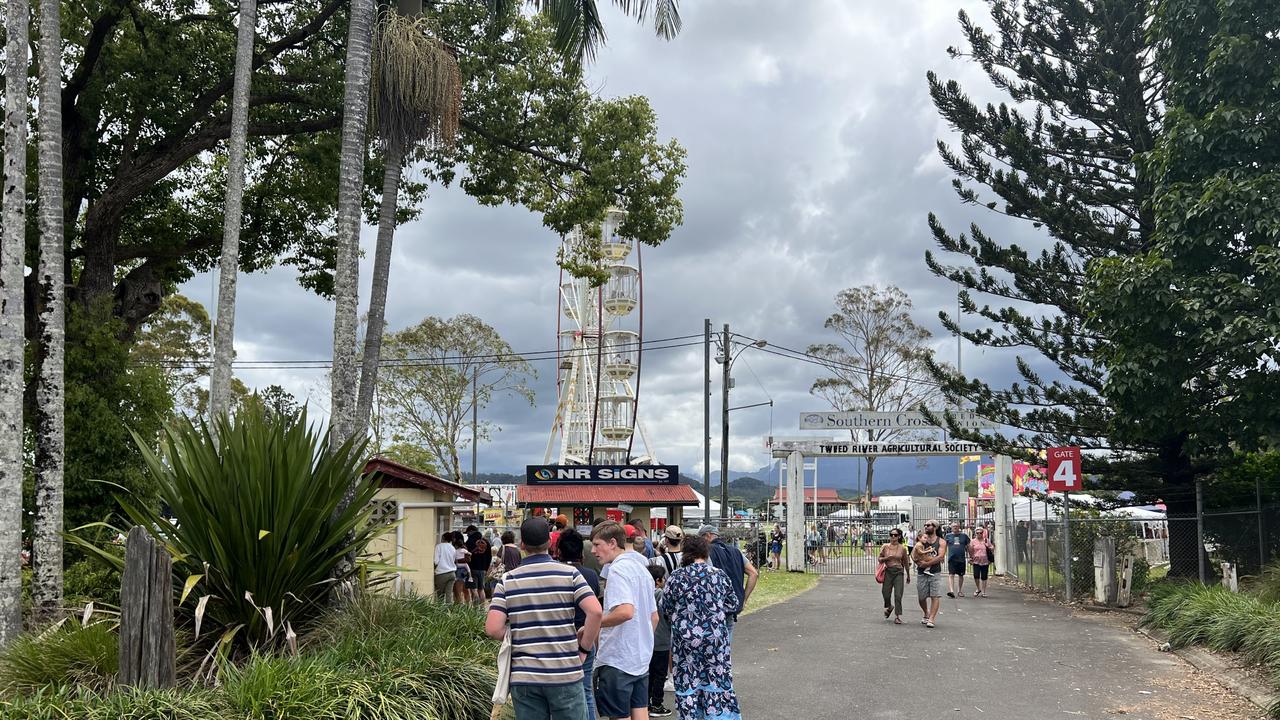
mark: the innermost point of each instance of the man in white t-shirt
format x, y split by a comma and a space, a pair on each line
626, 635
446, 566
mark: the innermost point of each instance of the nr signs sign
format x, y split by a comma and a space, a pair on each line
1064, 469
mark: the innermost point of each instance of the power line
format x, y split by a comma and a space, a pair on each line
542, 355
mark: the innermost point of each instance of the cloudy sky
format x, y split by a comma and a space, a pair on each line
812, 168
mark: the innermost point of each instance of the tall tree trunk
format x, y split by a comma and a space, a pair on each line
12, 249
871, 472
381, 274
355, 116
229, 265
46, 545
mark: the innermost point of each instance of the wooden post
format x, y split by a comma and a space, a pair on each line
1124, 598
1229, 580
1104, 570
146, 614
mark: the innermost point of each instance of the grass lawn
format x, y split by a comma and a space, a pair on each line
775, 586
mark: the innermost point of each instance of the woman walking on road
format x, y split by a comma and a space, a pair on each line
895, 560
981, 551
696, 600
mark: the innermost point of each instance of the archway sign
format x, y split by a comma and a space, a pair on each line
795, 450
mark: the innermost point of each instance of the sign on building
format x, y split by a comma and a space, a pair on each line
906, 420
590, 474
781, 448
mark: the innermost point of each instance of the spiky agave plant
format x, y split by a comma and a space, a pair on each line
258, 528
417, 98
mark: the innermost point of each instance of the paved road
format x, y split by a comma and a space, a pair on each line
829, 654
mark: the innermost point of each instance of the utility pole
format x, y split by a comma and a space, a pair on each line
706, 422
475, 425
724, 429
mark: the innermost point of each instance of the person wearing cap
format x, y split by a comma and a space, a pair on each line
537, 602
734, 563
669, 549
626, 640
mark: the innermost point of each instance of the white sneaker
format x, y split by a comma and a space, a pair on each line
669, 686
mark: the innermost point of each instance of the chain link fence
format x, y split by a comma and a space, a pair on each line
1048, 552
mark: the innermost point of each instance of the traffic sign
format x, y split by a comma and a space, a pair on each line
1064, 469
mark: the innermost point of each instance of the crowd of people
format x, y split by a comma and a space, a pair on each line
587, 644
931, 553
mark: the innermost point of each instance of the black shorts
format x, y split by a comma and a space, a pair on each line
980, 572
955, 567
618, 693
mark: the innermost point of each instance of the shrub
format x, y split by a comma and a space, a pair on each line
259, 531
92, 580
66, 655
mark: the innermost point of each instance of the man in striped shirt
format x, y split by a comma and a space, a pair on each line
537, 601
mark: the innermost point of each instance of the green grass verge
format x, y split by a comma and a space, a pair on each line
775, 586
1216, 618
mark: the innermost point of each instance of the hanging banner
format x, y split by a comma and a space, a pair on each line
986, 481
1029, 477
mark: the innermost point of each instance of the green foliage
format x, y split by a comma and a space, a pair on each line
427, 406
92, 580
377, 658
259, 524
533, 135
106, 397
1060, 154
66, 655
1191, 320
123, 704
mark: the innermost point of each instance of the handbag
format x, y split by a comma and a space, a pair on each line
880, 573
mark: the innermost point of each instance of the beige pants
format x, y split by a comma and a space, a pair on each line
444, 585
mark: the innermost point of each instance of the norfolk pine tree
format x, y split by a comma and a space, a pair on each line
1086, 102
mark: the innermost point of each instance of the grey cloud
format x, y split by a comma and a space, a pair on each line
810, 136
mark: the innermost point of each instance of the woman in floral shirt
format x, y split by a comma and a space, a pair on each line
696, 599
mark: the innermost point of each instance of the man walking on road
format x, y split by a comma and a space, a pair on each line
957, 551
537, 600
928, 557
631, 615
734, 563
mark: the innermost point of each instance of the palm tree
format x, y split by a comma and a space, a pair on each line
229, 264
355, 104
579, 32
50, 460
13, 216
417, 96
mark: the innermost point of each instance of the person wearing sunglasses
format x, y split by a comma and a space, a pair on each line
895, 560
928, 556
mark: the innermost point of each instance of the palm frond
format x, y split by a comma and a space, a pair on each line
666, 14
579, 31
417, 85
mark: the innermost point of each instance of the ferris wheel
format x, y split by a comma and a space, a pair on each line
599, 335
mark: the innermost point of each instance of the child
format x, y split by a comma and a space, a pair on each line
660, 664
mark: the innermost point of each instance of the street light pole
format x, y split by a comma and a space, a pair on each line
724, 428
706, 422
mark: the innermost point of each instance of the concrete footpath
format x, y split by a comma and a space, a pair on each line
830, 654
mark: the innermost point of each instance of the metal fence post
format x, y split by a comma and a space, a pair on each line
1066, 542
1262, 538
1048, 579
1200, 530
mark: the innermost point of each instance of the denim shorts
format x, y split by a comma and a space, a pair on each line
618, 693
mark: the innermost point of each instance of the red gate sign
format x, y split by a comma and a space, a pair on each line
1064, 469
